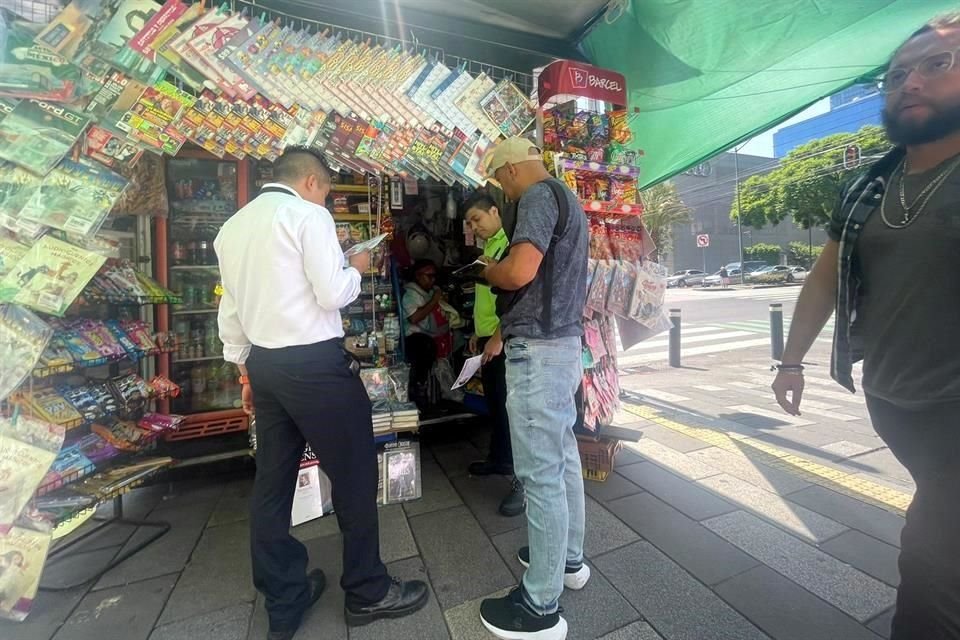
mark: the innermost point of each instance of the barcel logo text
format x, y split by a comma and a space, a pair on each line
582, 79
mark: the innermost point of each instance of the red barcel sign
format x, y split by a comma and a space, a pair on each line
566, 77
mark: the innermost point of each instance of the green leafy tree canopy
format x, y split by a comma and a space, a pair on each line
663, 208
807, 184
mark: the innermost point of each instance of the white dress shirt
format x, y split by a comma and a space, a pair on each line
282, 272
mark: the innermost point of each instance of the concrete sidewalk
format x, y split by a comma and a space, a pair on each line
725, 521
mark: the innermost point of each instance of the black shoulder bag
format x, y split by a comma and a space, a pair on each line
506, 300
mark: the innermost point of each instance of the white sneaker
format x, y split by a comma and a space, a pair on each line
574, 579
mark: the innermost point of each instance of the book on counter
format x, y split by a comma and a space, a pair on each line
36, 135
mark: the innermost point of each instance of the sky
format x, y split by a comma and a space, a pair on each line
762, 145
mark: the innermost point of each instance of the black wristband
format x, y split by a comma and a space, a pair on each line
788, 367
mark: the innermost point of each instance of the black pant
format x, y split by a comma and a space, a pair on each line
421, 353
927, 443
494, 376
309, 394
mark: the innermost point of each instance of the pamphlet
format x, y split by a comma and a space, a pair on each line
366, 245
401, 472
50, 276
475, 269
23, 552
308, 499
470, 368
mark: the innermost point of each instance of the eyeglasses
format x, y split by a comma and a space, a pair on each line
929, 68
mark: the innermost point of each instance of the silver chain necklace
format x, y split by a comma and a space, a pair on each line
908, 210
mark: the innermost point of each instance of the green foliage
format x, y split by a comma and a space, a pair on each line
769, 253
807, 184
800, 254
663, 208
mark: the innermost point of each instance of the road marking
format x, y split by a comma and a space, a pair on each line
840, 481
819, 393
846, 449
663, 396
685, 339
709, 388
643, 358
773, 415
809, 406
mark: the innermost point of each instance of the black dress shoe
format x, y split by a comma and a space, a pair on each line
516, 501
318, 582
489, 468
403, 598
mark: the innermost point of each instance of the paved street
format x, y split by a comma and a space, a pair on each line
726, 520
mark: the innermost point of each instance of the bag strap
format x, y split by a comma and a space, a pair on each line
563, 215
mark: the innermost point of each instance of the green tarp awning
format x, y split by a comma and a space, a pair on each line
708, 74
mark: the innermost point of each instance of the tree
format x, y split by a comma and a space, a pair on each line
807, 184
663, 208
801, 254
769, 253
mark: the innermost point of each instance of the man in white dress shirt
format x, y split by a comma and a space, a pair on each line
284, 283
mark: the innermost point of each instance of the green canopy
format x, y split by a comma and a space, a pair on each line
708, 74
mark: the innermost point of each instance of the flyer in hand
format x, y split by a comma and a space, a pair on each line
75, 197
36, 135
50, 276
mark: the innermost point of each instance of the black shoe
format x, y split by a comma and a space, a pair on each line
511, 619
318, 582
403, 598
574, 578
516, 501
489, 468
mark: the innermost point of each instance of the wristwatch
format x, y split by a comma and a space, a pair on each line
244, 380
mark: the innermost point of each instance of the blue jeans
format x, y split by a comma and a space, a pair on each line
542, 381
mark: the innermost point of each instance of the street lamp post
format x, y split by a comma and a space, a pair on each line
736, 170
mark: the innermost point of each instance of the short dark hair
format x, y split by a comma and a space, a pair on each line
944, 21
479, 200
297, 163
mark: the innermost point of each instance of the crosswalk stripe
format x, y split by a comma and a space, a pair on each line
692, 351
773, 415
763, 388
824, 393
705, 337
811, 407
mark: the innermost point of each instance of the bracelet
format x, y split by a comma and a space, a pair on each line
788, 368
244, 380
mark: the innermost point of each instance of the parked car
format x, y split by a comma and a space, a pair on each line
686, 278
715, 280
778, 268
779, 274
751, 266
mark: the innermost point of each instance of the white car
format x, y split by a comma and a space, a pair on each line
716, 281
686, 278
778, 274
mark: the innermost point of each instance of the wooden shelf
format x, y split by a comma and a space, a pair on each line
349, 188
354, 217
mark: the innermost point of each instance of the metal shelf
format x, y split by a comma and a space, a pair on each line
195, 267
204, 359
194, 312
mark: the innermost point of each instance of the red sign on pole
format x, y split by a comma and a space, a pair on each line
703, 240
566, 77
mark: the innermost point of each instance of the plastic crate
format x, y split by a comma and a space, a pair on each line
216, 423
597, 457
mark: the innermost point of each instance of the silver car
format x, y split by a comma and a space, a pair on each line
686, 278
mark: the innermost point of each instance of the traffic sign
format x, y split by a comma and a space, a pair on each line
703, 240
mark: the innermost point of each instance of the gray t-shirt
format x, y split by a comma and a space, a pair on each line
909, 308
537, 215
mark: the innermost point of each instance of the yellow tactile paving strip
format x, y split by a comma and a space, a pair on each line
761, 452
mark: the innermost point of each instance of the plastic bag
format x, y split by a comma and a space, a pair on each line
23, 552
445, 376
27, 449
23, 338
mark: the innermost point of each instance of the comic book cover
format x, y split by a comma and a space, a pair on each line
243, 58
27, 449
469, 104
75, 197
113, 87
17, 187
151, 117
508, 108
28, 70
110, 149
205, 47
225, 48
36, 135
23, 552
50, 276
168, 15
262, 62
193, 23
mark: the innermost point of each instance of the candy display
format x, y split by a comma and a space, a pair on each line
124, 434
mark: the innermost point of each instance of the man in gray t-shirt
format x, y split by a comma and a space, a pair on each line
544, 278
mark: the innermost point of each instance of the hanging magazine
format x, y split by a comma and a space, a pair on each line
75, 197
510, 110
23, 552
28, 70
27, 449
50, 276
23, 338
110, 149
36, 135
17, 187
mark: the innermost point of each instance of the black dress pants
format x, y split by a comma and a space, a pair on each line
494, 376
309, 394
421, 353
927, 443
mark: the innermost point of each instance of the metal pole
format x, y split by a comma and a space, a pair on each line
736, 169
703, 250
776, 330
675, 338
